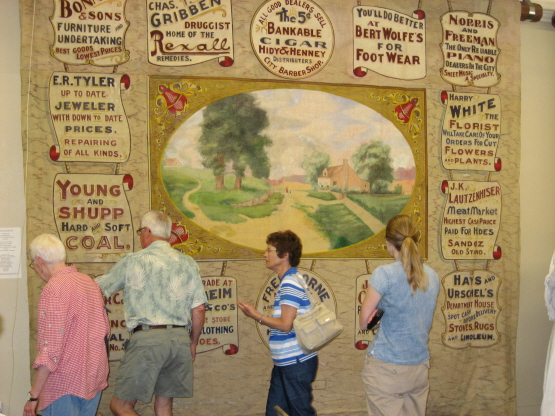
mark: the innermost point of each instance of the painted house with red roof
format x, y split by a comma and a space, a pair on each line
342, 177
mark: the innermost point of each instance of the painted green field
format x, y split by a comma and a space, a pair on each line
383, 207
217, 205
331, 219
339, 224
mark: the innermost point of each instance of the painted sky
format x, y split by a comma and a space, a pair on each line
302, 121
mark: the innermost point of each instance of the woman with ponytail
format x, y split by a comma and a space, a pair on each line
395, 374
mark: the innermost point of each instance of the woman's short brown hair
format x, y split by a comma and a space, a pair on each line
287, 242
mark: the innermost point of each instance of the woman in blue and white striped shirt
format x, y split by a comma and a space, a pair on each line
294, 371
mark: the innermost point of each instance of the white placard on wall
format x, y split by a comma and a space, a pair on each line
10, 252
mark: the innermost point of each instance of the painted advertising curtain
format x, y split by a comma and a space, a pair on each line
327, 118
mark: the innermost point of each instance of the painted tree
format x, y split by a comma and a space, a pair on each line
372, 162
314, 165
231, 132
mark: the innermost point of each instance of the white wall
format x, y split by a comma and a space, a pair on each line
14, 315
537, 209
537, 192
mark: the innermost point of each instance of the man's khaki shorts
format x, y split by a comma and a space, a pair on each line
156, 361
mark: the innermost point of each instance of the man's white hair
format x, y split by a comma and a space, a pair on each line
159, 223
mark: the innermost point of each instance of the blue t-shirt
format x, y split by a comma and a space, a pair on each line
405, 325
284, 347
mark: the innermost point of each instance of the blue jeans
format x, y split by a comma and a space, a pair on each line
70, 405
291, 388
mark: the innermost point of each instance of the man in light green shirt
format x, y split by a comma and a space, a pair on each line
164, 303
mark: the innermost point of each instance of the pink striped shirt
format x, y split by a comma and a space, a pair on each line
72, 325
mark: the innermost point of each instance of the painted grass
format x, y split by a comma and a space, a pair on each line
217, 205
383, 207
324, 196
339, 224
178, 183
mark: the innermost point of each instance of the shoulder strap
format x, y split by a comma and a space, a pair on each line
313, 299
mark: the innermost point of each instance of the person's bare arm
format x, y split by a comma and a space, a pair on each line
30, 407
197, 317
369, 306
284, 323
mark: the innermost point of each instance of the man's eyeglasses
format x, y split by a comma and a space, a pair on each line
269, 250
140, 230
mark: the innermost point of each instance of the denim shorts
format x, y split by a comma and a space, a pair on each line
70, 405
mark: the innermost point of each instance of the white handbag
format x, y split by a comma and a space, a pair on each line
318, 326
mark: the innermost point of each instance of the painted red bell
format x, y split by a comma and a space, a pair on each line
496, 252
178, 234
497, 164
175, 101
404, 110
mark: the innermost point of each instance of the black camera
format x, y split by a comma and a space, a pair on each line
375, 319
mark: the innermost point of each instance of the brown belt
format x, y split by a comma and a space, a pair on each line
140, 327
